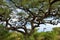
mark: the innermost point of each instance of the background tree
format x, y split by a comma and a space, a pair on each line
33, 13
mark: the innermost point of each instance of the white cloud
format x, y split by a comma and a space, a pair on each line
58, 25
18, 10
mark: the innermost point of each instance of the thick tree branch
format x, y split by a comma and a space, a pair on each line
54, 1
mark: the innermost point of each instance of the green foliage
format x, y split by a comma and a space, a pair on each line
27, 3
14, 36
51, 35
6, 35
5, 12
23, 14
2, 2
3, 32
57, 30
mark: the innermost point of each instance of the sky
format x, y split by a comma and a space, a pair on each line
48, 27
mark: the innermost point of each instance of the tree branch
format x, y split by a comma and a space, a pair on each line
25, 9
54, 1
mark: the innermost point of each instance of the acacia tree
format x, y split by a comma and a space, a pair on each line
34, 13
